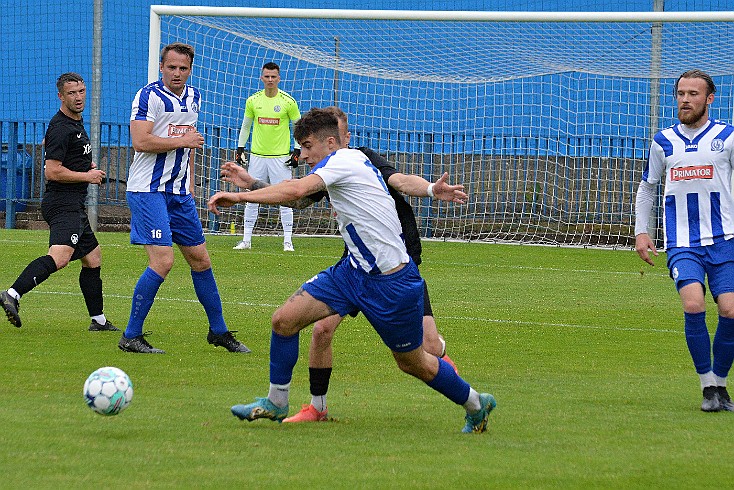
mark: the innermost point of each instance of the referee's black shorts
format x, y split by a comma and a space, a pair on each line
68, 222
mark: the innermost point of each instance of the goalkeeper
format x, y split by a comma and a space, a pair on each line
320, 351
269, 113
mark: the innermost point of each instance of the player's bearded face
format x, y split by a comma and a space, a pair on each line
693, 100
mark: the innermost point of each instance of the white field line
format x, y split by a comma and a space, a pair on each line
439, 317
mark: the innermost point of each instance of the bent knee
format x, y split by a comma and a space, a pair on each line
283, 324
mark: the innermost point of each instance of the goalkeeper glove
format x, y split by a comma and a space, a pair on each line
293, 160
239, 155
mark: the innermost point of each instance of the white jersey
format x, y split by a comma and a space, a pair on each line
364, 209
698, 207
172, 117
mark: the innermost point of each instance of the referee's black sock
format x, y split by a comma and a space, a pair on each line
34, 274
90, 282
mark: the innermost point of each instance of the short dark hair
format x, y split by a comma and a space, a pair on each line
179, 48
321, 123
271, 66
698, 74
338, 113
65, 78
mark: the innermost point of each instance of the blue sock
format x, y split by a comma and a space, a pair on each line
283, 358
208, 294
698, 340
143, 296
450, 384
724, 346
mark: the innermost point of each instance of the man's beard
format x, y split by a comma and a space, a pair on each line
691, 117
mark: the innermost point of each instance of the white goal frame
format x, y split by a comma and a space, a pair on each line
534, 186
156, 11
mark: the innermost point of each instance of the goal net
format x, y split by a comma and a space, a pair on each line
545, 118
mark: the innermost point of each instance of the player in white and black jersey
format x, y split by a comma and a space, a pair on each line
69, 170
696, 158
377, 277
320, 351
160, 189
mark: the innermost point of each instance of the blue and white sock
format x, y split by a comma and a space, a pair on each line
450, 384
283, 358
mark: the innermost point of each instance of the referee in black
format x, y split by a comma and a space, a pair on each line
69, 170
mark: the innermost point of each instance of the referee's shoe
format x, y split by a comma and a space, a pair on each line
11, 307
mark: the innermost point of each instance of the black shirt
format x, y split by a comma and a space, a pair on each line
67, 141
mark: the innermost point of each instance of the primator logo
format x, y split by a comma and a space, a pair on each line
269, 121
175, 131
692, 173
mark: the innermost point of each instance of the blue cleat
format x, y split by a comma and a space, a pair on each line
477, 422
262, 408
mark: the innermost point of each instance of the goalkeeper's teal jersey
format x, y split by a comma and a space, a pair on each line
271, 118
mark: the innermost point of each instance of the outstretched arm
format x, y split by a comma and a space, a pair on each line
416, 186
285, 193
235, 174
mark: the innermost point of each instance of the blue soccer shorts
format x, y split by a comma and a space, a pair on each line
162, 218
695, 264
393, 303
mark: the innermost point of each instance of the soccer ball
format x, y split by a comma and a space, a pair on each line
108, 391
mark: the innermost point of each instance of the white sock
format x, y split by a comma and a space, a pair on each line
100, 319
319, 402
12, 292
707, 379
286, 218
473, 404
720, 381
278, 394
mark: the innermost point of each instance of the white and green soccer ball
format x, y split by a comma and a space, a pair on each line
108, 391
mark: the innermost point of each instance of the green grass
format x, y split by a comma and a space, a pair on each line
585, 355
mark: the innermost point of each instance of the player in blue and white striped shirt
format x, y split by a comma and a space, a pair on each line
160, 195
377, 277
696, 158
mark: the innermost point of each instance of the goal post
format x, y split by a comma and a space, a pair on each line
545, 117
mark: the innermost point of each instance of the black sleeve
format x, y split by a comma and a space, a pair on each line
380, 163
56, 142
317, 196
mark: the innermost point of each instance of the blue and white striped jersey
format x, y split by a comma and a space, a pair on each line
364, 210
699, 207
172, 117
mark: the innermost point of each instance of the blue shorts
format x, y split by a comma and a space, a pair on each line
694, 264
393, 304
162, 218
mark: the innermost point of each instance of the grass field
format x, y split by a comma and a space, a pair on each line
584, 353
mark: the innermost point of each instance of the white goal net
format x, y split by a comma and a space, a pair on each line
544, 117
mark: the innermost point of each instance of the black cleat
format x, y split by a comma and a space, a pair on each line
711, 401
107, 327
11, 307
725, 399
138, 344
227, 341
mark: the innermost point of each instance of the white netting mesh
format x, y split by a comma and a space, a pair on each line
546, 124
